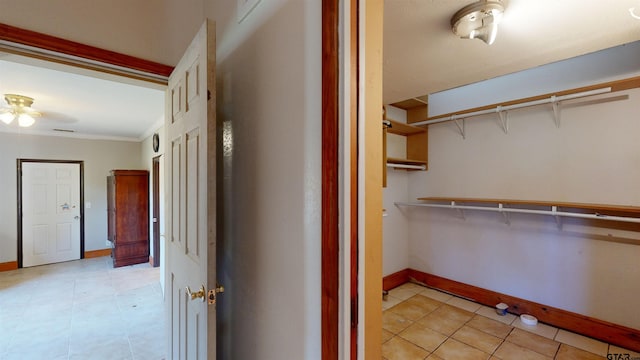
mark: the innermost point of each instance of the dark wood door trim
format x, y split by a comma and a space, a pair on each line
156, 211
19, 163
39, 41
330, 231
355, 248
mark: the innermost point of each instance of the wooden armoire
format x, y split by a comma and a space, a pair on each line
128, 216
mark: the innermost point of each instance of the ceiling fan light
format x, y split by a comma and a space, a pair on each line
7, 117
25, 120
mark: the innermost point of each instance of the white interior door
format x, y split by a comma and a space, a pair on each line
50, 213
191, 200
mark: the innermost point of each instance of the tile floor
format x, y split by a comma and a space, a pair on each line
82, 309
422, 323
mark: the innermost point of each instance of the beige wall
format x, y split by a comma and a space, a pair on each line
269, 107
395, 225
99, 158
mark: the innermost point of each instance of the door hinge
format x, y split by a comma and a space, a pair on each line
208, 95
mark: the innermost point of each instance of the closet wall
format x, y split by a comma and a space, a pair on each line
395, 225
593, 157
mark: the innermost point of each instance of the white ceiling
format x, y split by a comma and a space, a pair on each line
93, 105
421, 56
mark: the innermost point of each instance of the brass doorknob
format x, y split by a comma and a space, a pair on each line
198, 294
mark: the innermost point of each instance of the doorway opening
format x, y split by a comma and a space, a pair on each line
155, 215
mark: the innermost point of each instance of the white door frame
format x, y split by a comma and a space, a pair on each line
19, 202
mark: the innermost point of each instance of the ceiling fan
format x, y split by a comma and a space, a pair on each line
20, 108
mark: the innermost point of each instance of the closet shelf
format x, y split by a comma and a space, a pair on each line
408, 164
621, 213
399, 128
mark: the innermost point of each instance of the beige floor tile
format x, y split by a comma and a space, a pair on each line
478, 339
509, 351
423, 336
582, 342
433, 357
464, 304
394, 323
411, 286
493, 315
618, 350
402, 293
541, 329
89, 319
455, 350
436, 295
446, 319
386, 335
568, 352
489, 326
400, 349
390, 302
537, 343
415, 307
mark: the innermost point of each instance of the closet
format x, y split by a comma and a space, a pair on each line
128, 216
532, 201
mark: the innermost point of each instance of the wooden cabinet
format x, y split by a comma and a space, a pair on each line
128, 216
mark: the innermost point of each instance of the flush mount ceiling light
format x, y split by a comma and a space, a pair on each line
20, 108
478, 20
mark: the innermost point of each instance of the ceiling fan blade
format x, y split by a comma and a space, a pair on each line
57, 117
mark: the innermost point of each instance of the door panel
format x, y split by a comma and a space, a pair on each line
191, 203
50, 212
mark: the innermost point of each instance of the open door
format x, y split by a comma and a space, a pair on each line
191, 201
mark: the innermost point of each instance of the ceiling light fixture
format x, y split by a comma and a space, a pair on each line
478, 20
20, 108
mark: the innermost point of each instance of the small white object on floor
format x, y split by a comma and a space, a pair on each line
528, 319
501, 309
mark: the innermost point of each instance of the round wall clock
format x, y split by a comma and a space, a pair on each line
156, 142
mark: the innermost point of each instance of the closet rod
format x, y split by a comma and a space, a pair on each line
498, 109
526, 211
403, 166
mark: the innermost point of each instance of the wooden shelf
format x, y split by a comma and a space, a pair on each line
406, 161
399, 128
601, 208
417, 147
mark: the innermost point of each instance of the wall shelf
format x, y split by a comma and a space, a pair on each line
620, 213
416, 148
554, 99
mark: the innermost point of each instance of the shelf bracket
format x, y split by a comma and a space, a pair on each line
504, 214
460, 123
554, 211
460, 211
504, 119
556, 110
